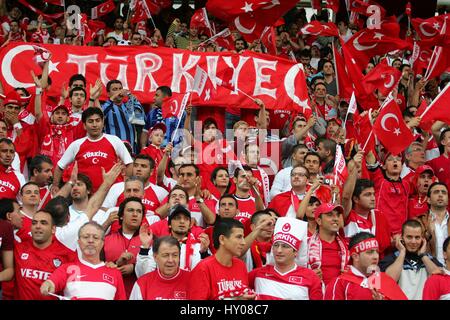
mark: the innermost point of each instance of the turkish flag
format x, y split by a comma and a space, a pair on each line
268, 40
175, 105
102, 9
440, 59
438, 110
315, 28
225, 39
250, 17
429, 30
200, 21
420, 58
340, 169
143, 10
390, 128
345, 84
332, 4
365, 100
85, 31
382, 77
368, 43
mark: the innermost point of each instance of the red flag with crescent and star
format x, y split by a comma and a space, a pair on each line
391, 130
382, 77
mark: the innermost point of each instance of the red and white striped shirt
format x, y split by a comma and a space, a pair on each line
154, 286
82, 280
297, 284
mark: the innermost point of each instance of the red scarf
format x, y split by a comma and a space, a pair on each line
315, 251
259, 252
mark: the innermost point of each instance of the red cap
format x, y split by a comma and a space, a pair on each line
336, 119
327, 207
424, 168
61, 106
159, 125
13, 98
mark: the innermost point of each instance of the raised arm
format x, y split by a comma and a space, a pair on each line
353, 168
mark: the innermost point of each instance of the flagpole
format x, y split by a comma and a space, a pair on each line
367, 141
183, 102
335, 67
435, 99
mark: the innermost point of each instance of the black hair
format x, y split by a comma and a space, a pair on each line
29, 183
207, 122
245, 167
125, 202
111, 82
7, 141
256, 216
86, 180
358, 237
186, 165
75, 90
77, 77
166, 239
311, 153
166, 91
361, 185
150, 160
36, 163
225, 227
305, 53
412, 223
51, 216
445, 245
6, 206
437, 183
178, 187
214, 176
229, 196
89, 112
58, 207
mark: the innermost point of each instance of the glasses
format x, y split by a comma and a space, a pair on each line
298, 174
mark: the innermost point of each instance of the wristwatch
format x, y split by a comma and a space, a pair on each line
422, 255
200, 200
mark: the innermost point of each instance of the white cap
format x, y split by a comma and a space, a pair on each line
290, 231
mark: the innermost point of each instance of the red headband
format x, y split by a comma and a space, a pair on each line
365, 245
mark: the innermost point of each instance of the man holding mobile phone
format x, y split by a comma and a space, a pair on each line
411, 264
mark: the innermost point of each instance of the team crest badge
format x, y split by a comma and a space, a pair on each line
56, 262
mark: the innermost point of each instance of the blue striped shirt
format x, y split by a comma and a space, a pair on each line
117, 122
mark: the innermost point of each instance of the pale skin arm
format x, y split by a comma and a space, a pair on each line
305, 202
67, 188
8, 265
349, 185
160, 171
97, 199
436, 129
40, 83
303, 132
262, 121
208, 215
57, 174
266, 221
259, 203
395, 269
95, 93
429, 264
47, 287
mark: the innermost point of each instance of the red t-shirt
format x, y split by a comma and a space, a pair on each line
437, 287
247, 208
92, 155
210, 280
441, 167
33, 266
153, 286
417, 208
331, 261
116, 244
10, 182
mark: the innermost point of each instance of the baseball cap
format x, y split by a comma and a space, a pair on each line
327, 207
159, 125
423, 169
336, 119
178, 209
12, 98
61, 106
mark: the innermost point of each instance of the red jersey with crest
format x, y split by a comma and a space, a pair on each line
82, 280
297, 284
441, 167
10, 182
24, 234
92, 155
116, 244
247, 208
154, 286
33, 266
211, 280
417, 206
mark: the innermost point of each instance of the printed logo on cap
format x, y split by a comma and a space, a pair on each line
286, 227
